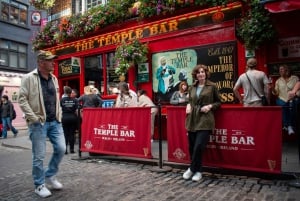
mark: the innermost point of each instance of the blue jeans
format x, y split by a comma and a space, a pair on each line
38, 134
6, 123
288, 111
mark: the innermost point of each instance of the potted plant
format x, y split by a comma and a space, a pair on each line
129, 54
255, 27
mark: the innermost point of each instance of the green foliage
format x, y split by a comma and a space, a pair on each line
129, 53
42, 4
255, 28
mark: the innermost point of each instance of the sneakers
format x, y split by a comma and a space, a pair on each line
15, 134
52, 181
42, 191
187, 174
197, 176
290, 130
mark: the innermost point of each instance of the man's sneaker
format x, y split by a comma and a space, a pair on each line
15, 134
42, 191
197, 176
52, 181
187, 174
290, 130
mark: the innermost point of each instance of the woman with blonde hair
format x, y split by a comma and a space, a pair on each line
88, 99
283, 85
126, 98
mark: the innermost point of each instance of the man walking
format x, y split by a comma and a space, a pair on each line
39, 100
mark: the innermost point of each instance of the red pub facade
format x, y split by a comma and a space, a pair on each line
206, 36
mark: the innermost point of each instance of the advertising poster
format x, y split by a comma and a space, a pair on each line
170, 68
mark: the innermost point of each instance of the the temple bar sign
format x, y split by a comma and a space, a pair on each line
69, 67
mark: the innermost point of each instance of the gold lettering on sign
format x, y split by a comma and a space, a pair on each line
66, 69
111, 39
225, 66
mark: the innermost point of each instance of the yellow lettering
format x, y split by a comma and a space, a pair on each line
115, 39
108, 40
139, 33
163, 28
124, 36
153, 30
173, 25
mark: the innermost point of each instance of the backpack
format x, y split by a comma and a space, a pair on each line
14, 114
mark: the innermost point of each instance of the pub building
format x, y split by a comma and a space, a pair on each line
206, 36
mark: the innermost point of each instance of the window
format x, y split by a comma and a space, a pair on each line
14, 12
112, 77
94, 72
93, 3
13, 54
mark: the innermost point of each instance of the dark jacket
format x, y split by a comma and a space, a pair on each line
90, 100
7, 110
197, 120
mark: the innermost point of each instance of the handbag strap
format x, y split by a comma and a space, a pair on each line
252, 85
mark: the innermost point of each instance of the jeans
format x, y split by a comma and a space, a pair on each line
288, 111
38, 133
6, 123
197, 144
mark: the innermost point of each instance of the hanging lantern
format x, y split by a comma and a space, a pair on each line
218, 17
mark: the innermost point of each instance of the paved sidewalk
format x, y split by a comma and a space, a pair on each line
101, 179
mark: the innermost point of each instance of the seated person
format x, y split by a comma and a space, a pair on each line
181, 96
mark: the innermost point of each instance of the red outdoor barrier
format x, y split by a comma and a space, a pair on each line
245, 138
117, 131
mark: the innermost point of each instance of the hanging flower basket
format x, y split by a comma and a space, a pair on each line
42, 4
128, 54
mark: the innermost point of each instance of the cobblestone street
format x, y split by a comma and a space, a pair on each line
100, 178
106, 180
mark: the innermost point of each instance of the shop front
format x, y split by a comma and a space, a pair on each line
183, 40
206, 36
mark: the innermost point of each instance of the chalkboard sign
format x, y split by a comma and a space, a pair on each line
221, 61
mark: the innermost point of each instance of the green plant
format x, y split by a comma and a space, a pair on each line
47, 37
42, 4
255, 27
128, 54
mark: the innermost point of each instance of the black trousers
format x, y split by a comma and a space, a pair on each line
69, 123
197, 144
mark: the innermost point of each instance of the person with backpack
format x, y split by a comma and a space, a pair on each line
7, 115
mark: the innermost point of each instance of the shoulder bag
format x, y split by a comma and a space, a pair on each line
264, 99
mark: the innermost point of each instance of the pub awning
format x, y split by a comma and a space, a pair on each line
276, 6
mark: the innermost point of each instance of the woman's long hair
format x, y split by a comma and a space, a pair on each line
196, 70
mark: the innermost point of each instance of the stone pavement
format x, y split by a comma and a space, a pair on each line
103, 179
